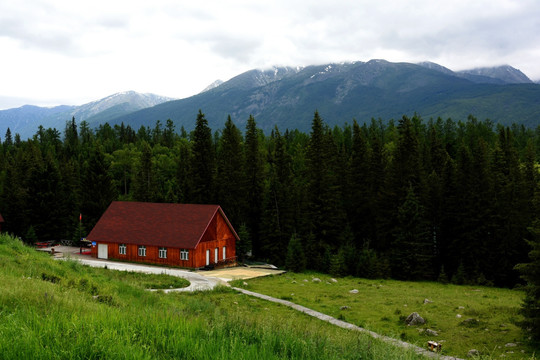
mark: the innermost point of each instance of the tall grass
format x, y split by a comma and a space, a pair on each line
52, 310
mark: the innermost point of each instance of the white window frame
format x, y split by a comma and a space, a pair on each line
142, 250
122, 249
162, 252
184, 254
224, 252
216, 255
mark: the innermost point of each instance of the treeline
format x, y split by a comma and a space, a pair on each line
411, 199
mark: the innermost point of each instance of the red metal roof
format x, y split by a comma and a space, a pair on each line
155, 224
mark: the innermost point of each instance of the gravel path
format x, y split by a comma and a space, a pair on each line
197, 281
347, 325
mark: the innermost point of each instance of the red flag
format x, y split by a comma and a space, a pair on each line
80, 217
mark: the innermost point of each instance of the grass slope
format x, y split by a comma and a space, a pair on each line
382, 306
64, 310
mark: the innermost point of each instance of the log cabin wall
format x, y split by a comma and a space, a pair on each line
218, 235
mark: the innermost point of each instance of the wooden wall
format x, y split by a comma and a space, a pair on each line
218, 234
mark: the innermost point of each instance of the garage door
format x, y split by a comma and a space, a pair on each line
102, 251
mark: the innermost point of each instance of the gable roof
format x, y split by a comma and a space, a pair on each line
155, 224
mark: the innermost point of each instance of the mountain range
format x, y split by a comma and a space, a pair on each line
288, 97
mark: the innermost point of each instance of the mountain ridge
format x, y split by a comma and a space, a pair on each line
26, 119
288, 96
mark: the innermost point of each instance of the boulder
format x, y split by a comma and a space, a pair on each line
431, 332
316, 280
414, 319
333, 280
354, 291
473, 352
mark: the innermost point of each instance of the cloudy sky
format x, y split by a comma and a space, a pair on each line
72, 52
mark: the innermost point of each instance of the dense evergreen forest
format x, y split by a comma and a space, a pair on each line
410, 199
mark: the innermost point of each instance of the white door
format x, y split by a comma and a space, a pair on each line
208, 257
216, 255
102, 251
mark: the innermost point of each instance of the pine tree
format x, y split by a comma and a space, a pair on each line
326, 218
243, 246
295, 260
202, 162
412, 252
144, 179
98, 186
254, 184
278, 215
361, 195
230, 172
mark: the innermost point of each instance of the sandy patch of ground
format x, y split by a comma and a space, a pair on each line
239, 273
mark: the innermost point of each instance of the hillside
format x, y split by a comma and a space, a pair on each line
62, 310
288, 97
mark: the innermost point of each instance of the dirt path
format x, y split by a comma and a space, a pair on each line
347, 325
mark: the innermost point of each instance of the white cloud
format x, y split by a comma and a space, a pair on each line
78, 51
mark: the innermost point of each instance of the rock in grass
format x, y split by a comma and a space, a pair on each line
414, 319
431, 332
354, 291
510, 345
473, 352
344, 308
333, 280
427, 301
316, 280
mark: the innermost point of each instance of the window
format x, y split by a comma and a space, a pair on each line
162, 253
122, 249
142, 250
216, 252
184, 254
224, 252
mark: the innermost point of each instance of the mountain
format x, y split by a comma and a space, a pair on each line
25, 120
505, 73
288, 97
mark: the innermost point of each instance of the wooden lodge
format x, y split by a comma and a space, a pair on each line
185, 235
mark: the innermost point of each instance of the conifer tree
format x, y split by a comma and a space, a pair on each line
278, 215
98, 186
202, 162
326, 217
295, 260
530, 272
230, 172
254, 184
144, 179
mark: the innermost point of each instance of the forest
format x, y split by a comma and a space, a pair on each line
409, 199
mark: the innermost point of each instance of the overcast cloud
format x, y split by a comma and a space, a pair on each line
72, 52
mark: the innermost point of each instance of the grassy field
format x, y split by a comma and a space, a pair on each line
465, 317
62, 310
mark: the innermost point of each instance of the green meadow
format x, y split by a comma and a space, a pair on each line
464, 317
63, 310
